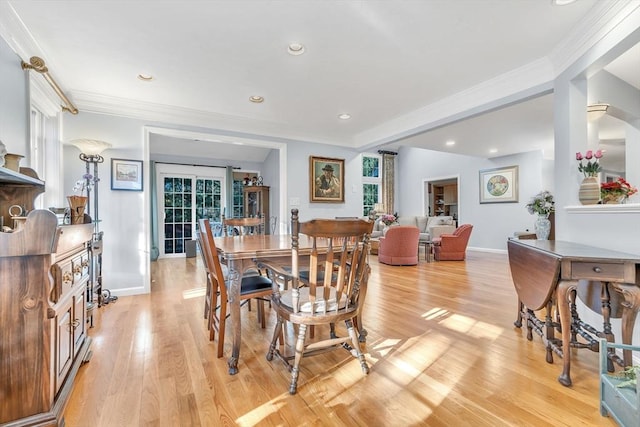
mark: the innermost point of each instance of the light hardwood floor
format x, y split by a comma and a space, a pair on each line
442, 349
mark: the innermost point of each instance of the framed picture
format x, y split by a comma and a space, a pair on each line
126, 174
499, 185
326, 180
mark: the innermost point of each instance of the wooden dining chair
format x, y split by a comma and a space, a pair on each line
242, 226
252, 286
339, 246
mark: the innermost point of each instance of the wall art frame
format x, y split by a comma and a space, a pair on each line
326, 180
499, 185
126, 175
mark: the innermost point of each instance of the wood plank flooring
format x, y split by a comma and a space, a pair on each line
442, 349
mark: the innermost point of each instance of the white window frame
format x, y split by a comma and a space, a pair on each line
371, 180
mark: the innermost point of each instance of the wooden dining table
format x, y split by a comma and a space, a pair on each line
240, 253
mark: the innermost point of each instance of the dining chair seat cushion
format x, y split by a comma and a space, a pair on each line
253, 283
305, 303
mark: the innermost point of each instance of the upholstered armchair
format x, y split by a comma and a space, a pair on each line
399, 246
452, 247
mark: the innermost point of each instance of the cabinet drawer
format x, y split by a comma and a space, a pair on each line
598, 271
80, 268
62, 278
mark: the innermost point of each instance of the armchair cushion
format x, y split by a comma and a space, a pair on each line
399, 246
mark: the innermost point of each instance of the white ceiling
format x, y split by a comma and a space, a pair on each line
383, 62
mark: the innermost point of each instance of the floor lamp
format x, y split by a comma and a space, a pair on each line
90, 154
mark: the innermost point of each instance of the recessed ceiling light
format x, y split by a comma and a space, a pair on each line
561, 2
257, 99
344, 116
145, 77
295, 49
493, 150
450, 143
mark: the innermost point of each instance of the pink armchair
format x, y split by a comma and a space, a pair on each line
453, 247
399, 246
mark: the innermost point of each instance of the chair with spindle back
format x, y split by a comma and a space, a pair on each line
341, 247
242, 226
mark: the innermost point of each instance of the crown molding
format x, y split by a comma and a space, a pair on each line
15, 33
180, 116
602, 20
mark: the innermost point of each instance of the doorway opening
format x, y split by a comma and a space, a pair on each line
441, 197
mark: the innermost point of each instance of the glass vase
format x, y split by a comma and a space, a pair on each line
543, 227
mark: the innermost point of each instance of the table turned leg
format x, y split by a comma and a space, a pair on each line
233, 282
565, 287
631, 305
605, 301
518, 322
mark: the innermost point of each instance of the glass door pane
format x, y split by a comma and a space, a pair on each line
178, 216
186, 199
209, 203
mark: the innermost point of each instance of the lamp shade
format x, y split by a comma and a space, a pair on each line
90, 147
378, 207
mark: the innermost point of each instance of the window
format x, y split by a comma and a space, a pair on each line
238, 203
44, 145
45, 148
371, 183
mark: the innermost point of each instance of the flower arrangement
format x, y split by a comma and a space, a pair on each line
388, 219
541, 204
592, 168
615, 191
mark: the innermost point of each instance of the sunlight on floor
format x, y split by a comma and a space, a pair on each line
194, 293
258, 414
417, 364
463, 324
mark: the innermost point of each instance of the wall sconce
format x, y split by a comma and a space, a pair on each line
596, 111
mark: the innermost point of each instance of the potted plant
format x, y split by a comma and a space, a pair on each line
542, 204
589, 193
617, 191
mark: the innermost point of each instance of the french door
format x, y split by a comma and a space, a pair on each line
186, 198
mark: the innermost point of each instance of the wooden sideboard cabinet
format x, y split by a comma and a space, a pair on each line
44, 270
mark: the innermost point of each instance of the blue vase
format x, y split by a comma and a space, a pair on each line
543, 227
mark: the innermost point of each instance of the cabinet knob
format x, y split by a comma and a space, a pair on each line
597, 269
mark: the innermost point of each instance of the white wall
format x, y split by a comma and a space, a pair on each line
122, 213
298, 181
492, 223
